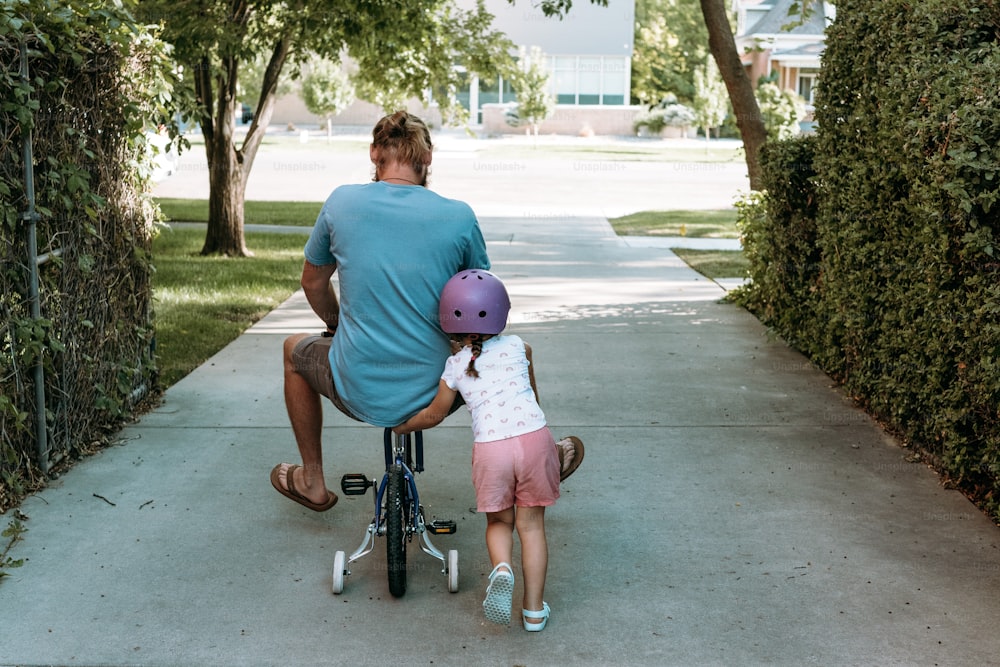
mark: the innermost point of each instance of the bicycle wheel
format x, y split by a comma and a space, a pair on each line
395, 531
453, 571
339, 560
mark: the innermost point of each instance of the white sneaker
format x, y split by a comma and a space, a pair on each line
499, 593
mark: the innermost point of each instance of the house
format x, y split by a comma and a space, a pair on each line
792, 55
588, 53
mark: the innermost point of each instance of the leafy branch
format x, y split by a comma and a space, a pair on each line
12, 534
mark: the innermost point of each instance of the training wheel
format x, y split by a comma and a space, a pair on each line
339, 565
453, 571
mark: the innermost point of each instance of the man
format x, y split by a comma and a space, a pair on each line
394, 244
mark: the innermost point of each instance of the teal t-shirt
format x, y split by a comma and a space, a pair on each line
394, 247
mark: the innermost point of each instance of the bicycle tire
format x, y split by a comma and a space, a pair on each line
395, 531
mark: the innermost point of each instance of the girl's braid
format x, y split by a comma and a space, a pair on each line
477, 349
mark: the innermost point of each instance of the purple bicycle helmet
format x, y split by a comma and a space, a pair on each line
473, 301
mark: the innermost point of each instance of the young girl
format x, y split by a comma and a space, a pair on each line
515, 460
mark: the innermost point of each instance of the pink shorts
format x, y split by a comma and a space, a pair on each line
522, 471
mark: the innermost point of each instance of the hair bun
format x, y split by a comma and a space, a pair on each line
402, 137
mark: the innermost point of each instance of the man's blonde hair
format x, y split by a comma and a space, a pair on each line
402, 137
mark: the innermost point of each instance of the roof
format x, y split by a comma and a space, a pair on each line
772, 22
814, 49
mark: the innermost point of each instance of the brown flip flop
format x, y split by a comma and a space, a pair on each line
292, 494
577, 457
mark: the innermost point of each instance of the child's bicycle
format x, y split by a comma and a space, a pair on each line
398, 516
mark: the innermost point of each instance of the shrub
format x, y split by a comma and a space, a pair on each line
778, 227
668, 113
781, 110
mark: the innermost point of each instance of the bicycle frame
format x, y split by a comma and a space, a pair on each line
399, 451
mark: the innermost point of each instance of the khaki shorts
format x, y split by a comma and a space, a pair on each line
311, 360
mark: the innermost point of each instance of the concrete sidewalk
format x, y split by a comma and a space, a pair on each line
733, 507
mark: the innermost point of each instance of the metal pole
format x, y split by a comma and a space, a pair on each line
31, 217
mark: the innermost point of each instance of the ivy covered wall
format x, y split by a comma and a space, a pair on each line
95, 82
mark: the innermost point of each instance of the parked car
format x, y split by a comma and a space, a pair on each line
247, 113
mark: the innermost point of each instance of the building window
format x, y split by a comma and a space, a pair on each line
475, 92
615, 86
464, 92
564, 79
807, 86
590, 79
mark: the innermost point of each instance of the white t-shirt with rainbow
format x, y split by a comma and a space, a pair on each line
501, 400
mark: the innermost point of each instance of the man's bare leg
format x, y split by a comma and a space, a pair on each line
305, 412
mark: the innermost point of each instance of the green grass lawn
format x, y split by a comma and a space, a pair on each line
715, 264
204, 303
714, 224
293, 213
710, 224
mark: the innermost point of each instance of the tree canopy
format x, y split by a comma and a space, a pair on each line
402, 49
327, 91
671, 43
530, 81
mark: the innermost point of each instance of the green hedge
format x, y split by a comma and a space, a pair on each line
778, 225
884, 266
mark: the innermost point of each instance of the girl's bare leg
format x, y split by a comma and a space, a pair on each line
500, 536
530, 523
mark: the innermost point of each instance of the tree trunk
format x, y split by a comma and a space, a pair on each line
229, 166
226, 175
748, 119
227, 184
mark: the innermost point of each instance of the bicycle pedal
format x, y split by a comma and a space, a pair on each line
355, 484
441, 527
